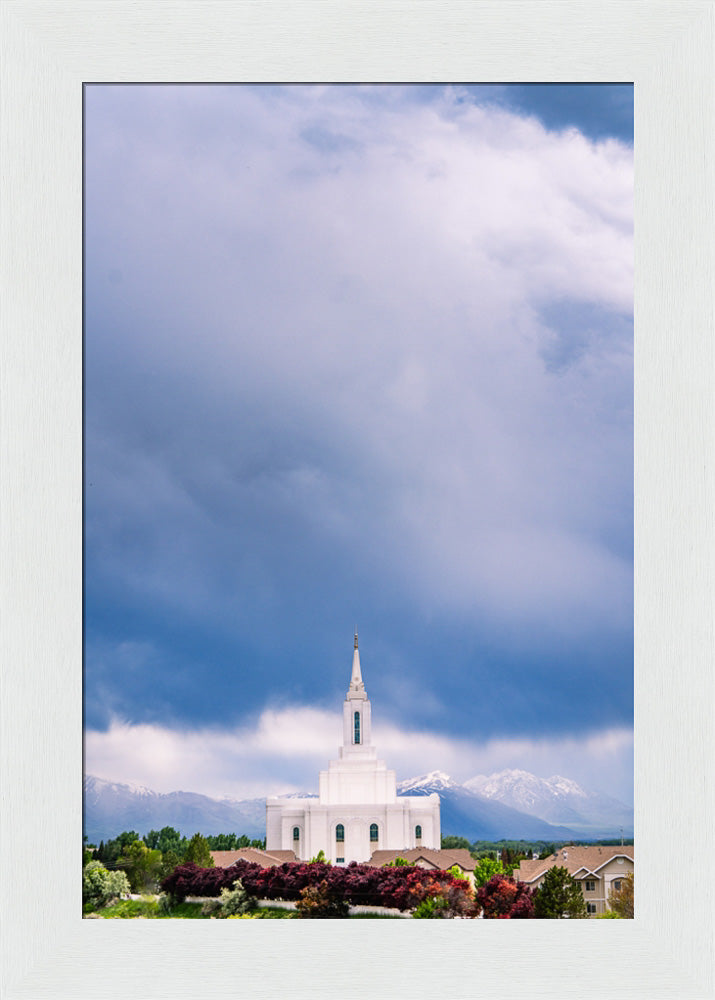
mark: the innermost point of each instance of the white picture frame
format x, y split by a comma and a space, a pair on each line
49, 49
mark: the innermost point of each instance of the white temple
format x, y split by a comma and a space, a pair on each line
358, 810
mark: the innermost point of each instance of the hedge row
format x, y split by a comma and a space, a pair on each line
357, 884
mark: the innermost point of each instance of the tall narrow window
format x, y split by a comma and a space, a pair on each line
357, 727
373, 833
340, 833
418, 833
296, 833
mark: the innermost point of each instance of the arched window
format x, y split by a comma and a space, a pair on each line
340, 833
357, 727
296, 833
418, 833
373, 833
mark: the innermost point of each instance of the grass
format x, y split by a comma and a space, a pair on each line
148, 909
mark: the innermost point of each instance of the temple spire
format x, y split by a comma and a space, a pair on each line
357, 688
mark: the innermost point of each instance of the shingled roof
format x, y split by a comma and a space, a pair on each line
578, 860
427, 857
267, 859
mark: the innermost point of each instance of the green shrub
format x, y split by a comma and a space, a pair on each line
234, 902
213, 907
131, 909
99, 886
166, 903
431, 908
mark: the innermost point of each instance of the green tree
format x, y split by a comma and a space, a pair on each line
485, 869
169, 861
452, 843
559, 896
199, 852
166, 839
621, 900
142, 866
109, 853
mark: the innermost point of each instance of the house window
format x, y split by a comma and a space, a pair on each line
617, 884
340, 861
296, 833
357, 727
373, 833
418, 833
591, 907
590, 885
340, 833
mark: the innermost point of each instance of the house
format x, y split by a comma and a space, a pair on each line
597, 869
266, 859
358, 810
435, 860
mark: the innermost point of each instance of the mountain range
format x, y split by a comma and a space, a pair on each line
517, 805
509, 805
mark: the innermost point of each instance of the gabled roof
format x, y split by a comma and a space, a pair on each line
267, 859
579, 860
433, 858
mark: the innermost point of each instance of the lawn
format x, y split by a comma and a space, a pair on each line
147, 908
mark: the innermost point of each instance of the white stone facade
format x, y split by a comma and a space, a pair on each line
357, 810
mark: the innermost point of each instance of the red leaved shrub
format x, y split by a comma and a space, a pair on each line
503, 898
402, 887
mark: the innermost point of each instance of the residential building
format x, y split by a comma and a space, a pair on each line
434, 860
597, 869
224, 859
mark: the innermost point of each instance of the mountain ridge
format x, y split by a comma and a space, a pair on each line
508, 805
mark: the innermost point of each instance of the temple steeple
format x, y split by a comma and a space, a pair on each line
358, 810
356, 691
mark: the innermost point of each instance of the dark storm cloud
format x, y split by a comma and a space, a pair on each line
354, 356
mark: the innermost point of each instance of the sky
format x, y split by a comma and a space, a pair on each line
358, 355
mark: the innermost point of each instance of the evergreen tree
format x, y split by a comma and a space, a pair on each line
559, 896
199, 852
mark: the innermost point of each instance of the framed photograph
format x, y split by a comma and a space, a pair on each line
116, 125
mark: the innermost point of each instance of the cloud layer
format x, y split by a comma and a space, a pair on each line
283, 751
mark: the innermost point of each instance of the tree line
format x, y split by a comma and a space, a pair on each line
149, 859
512, 852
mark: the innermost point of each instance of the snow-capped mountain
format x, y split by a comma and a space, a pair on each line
435, 781
111, 807
465, 813
509, 805
556, 800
